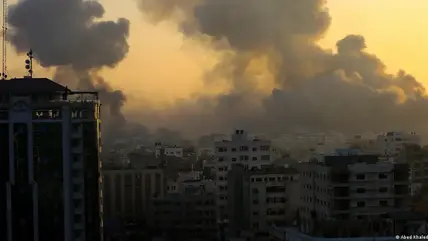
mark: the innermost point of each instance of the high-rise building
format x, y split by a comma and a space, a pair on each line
50, 166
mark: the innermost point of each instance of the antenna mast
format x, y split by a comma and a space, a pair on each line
3, 74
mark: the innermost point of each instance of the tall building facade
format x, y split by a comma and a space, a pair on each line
354, 187
252, 153
49, 156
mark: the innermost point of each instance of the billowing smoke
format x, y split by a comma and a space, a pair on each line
314, 89
68, 36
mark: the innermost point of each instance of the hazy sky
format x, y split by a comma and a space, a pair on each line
396, 31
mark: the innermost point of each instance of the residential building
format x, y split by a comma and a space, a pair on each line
186, 215
260, 198
128, 193
417, 158
351, 187
50, 146
240, 149
393, 143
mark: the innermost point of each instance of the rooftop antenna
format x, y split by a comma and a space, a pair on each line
29, 64
3, 74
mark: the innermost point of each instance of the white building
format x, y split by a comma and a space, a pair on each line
50, 145
240, 149
392, 143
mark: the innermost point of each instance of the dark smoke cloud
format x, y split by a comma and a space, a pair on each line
65, 35
317, 90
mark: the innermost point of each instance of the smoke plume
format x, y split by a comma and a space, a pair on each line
347, 90
68, 36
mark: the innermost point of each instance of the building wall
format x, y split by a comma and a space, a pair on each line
41, 189
353, 191
128, 193
186, 216
4, 180
251, 153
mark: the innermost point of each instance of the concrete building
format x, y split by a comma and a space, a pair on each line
186, 215
260, 198
417, 158
128, 192
351, 187
393, 143
49, 145
240, 149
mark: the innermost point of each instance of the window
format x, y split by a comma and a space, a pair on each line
243, 148
77, 218
383, 203
383, 189
75, 127
361, 190
383, 176
234, 159
254, 158
233, 149
361, 204
220, 159
75, 142
243, 158
76, 158
264, 148
222, 149
76, 188
361, 177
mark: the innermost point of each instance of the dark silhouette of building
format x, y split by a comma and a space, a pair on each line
49, 157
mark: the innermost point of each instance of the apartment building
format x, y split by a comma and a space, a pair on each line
260, 198
240, 149
128, 192
186, 215
393, 143
50, 166
417, 158
351, 187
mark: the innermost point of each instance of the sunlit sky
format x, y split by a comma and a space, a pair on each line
395, 30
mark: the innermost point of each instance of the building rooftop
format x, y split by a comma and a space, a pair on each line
30, 85
274, 170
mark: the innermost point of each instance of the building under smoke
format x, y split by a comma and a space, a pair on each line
50, 166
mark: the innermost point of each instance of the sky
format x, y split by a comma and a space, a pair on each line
394, 30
